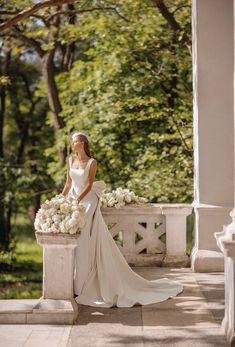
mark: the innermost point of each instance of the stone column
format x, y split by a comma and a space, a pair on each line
226, 242
212, 34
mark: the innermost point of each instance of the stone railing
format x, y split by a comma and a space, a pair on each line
150, 234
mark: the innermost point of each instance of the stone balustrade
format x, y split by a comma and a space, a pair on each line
150, 234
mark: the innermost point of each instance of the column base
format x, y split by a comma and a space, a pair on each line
38, 311
228, 332
203, 260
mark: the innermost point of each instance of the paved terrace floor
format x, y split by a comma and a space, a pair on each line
191, 318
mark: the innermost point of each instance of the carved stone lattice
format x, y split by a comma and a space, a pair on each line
140, 232
137, 236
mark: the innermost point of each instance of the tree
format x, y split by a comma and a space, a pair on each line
41, 32
120, 73
23, 166
130, 90
4, 220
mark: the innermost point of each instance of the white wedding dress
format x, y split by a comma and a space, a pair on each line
102, 276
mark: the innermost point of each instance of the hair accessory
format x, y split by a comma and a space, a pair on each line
83, 136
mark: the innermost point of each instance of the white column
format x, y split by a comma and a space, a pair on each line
226, 242
212, 34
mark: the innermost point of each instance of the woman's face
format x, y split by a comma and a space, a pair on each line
77, 144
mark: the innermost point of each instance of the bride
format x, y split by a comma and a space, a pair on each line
102, 276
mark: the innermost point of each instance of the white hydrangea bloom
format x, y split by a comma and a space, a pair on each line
60, 215
120, 197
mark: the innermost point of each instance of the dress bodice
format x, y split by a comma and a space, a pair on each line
79, 176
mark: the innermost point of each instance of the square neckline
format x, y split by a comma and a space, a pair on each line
78, 169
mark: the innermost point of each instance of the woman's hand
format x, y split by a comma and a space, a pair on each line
78, 200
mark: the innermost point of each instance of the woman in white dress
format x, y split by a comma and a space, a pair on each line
102, 276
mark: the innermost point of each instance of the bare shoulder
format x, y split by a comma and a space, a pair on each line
94, 161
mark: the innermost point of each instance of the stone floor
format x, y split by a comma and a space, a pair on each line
191, 318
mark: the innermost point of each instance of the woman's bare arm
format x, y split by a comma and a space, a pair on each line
68, 181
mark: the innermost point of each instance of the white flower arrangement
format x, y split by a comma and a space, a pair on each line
60, 215
121, 197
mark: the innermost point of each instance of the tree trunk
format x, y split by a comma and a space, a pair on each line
48, 72
34, 208
8, 224
4, 239
70, 47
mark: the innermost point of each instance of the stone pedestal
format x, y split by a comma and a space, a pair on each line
58, 274
58, 264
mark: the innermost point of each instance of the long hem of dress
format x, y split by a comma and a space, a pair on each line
125, 302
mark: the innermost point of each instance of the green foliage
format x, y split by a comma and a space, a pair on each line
21, 268
23, 167
4, 80
130, 91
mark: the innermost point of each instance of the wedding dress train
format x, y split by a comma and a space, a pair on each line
102, 276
